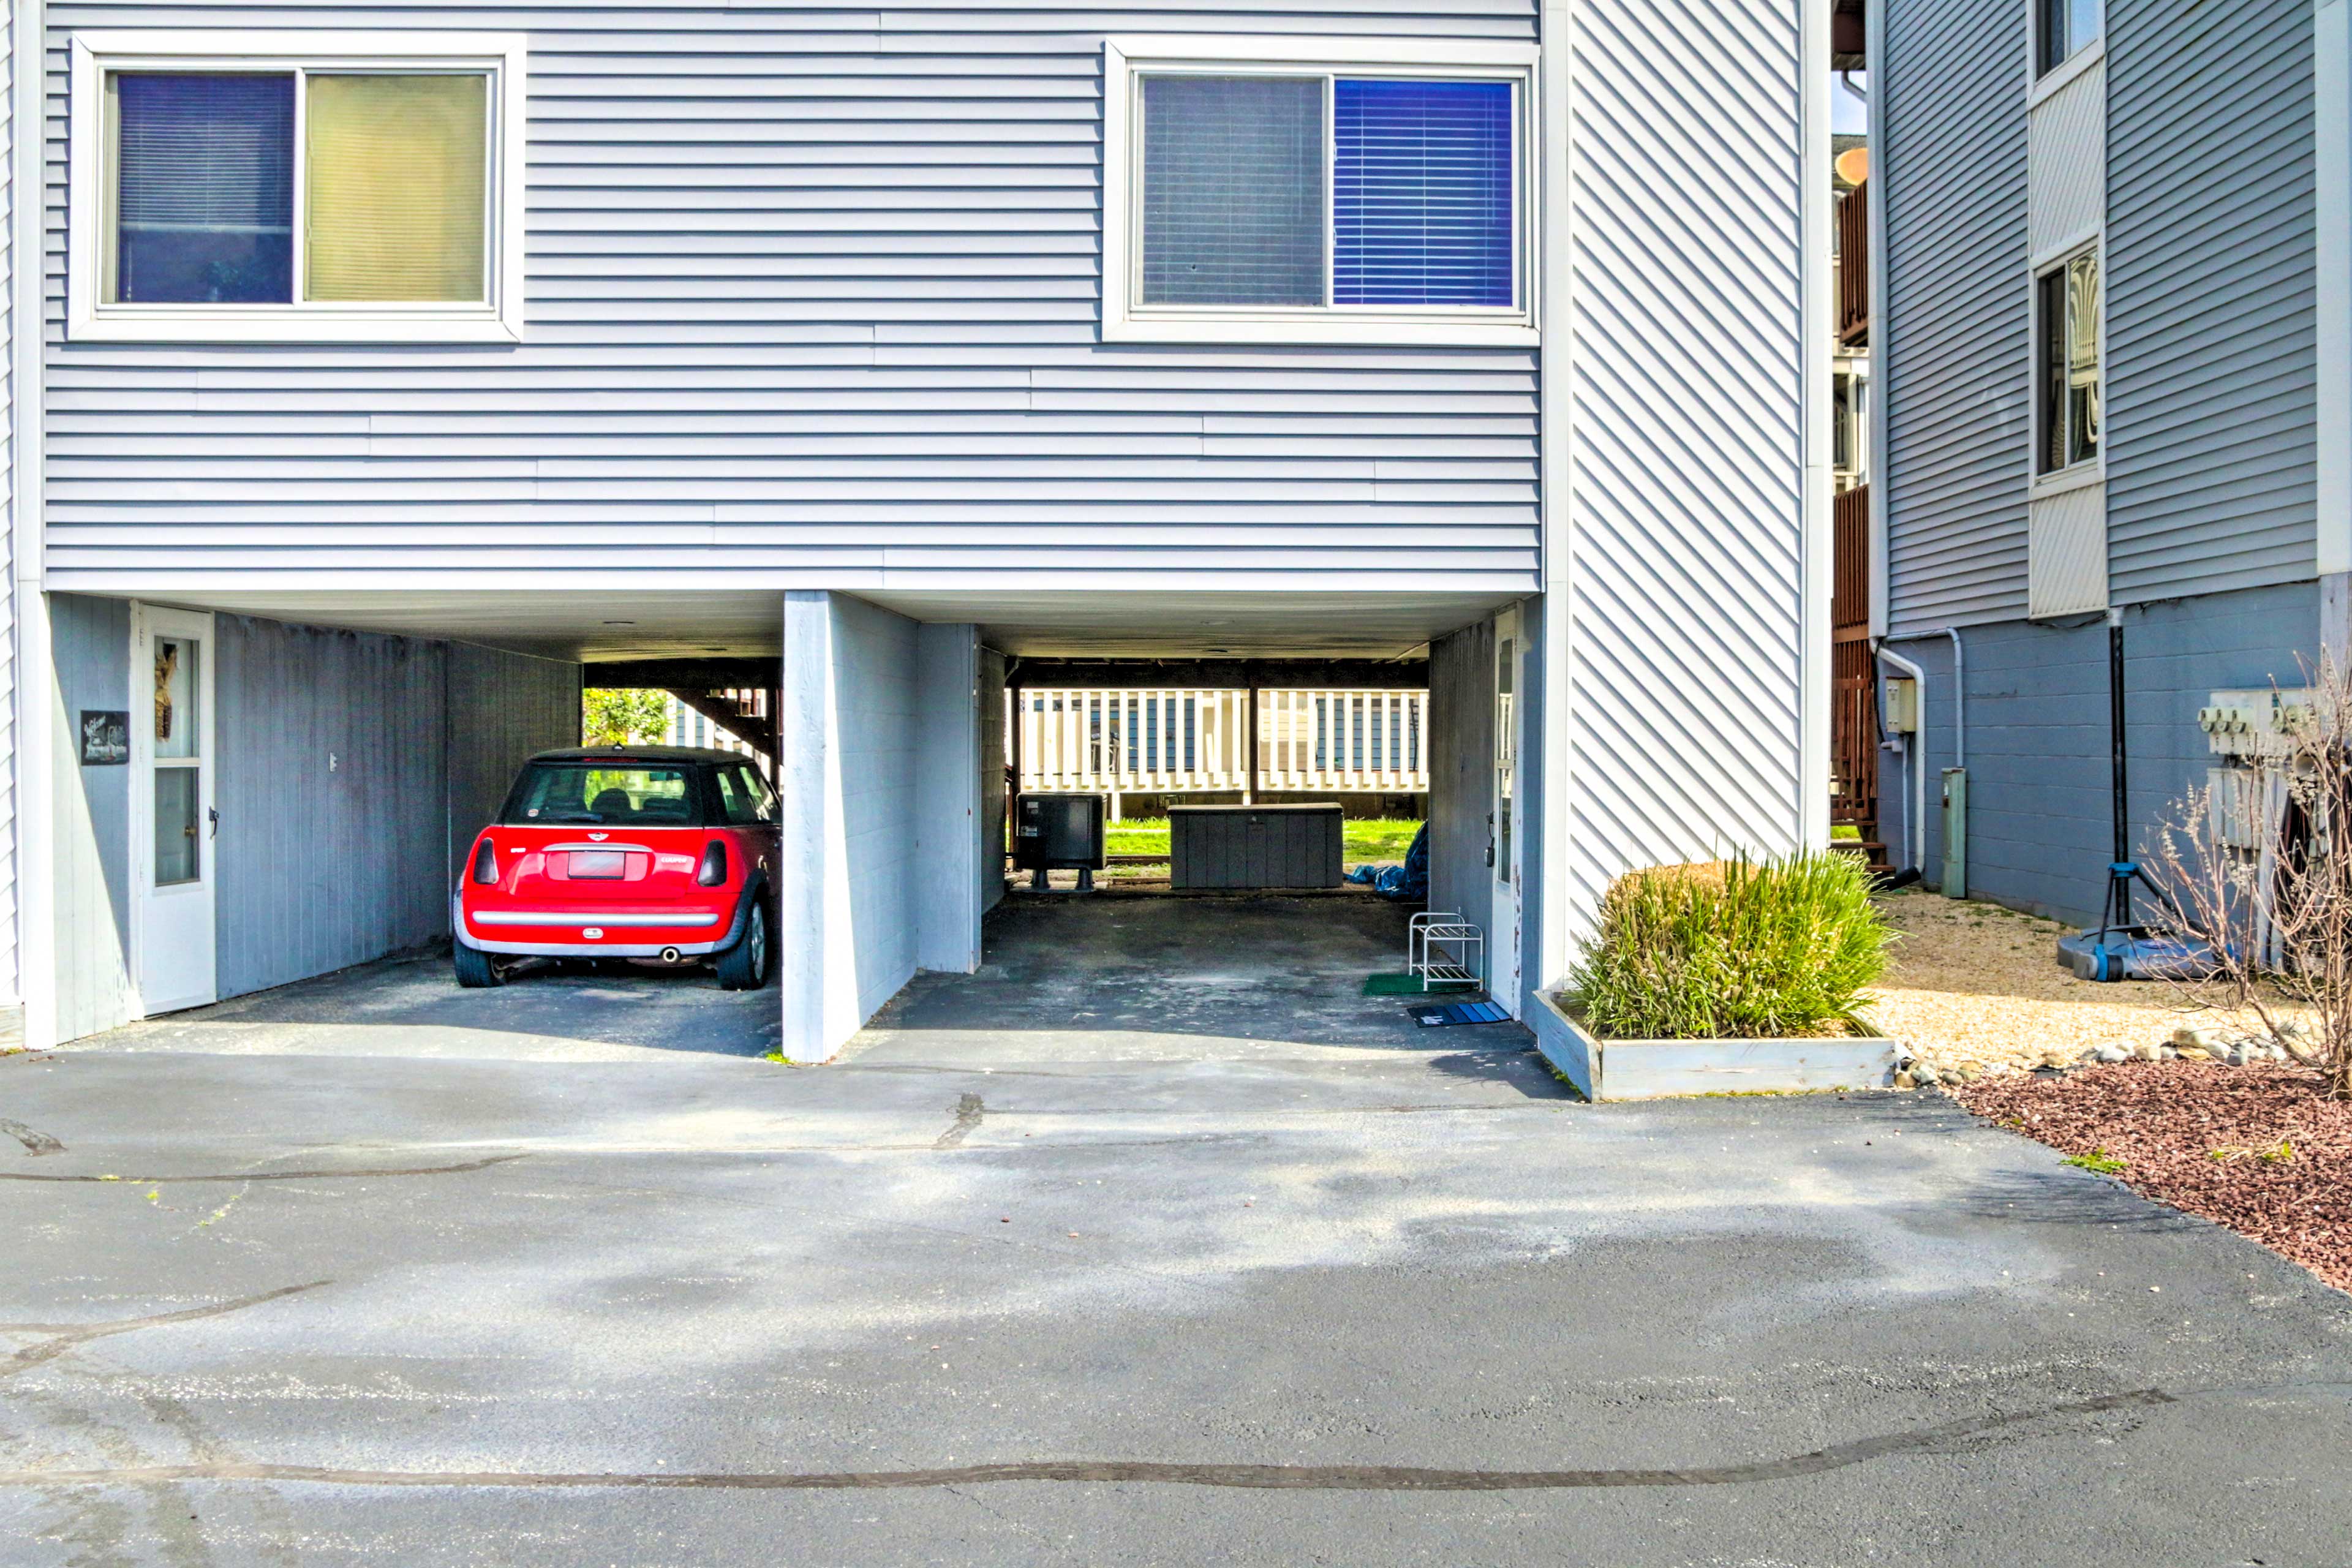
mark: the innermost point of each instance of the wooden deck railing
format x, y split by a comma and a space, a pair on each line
1159, 741
1854, 266
1854, 704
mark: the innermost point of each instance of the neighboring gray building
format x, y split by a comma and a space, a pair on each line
392, 379
2107, 386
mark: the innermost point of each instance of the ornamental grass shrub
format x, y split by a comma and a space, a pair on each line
1733, 949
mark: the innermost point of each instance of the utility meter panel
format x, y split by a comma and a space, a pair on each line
2253, 723
1902, 705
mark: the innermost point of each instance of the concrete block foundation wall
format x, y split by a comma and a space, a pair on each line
2040, 823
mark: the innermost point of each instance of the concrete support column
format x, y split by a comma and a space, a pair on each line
877, 861
950, 818
812, 936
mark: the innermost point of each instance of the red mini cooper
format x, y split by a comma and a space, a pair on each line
658, 854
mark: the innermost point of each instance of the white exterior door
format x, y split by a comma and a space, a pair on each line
1503, 961
172, 819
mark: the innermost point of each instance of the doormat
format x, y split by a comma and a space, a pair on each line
1458, 1013
1397, 983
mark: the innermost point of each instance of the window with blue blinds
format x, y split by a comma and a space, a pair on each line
1316, 191
205, 201
1421, 193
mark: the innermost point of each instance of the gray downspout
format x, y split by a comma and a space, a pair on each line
1914, 752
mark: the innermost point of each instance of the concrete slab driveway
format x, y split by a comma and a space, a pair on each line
1104, 1295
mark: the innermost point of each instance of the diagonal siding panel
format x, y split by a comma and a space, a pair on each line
1685, 506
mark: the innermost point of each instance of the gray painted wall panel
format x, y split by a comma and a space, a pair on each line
1952, 291
332, 800
1461, 773
91, 642
992, 779
2040, 801
2211, 297
859, 230
502, 706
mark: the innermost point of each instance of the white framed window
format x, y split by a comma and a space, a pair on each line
2067, 318
248, 187
1318, 190
2063, 29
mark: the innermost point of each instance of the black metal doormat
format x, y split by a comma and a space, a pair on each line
1458, 1013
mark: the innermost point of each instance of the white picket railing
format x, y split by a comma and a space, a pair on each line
1175, 739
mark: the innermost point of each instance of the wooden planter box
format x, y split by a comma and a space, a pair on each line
1655, 1069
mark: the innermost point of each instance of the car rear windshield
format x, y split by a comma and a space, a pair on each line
605, 795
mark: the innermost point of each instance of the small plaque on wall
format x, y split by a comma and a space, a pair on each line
105, 738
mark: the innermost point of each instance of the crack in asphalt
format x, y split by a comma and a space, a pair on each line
967, 1112
63, 1337
34, 1141
1266, 1477
275, 1175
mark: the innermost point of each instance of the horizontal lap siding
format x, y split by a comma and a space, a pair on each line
812, 295
2211, 426
1954, 381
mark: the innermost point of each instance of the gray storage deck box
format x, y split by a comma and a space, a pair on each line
1255, 845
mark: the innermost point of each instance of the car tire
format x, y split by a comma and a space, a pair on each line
744, 966
476, 969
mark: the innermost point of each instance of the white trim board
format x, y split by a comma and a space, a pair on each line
500, 320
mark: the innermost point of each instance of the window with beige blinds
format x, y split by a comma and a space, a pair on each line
266, 197
396, 187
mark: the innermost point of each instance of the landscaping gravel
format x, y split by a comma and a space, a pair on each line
2257, 1148
1977, 987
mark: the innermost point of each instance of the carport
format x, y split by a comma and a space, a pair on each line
252, 789
329, 755
894, 762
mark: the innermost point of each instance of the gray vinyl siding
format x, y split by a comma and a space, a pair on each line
1953, 298
813, 297
12, 988
2211, 297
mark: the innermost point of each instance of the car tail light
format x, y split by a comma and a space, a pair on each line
714, 866
485, 862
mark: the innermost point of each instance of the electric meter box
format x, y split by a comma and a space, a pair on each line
1902, 705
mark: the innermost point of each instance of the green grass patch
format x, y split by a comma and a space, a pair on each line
1371, 838
2097, 1160
1733, 950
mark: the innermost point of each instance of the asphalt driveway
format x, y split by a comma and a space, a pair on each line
1103, 1295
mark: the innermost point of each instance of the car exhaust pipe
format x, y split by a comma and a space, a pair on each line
669, 955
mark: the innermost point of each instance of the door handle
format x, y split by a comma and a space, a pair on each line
213, 813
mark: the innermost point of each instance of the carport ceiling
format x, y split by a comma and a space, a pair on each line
1300, 624
590, 625
599, 625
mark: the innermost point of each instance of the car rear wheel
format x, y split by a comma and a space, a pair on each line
744, 966
475, 969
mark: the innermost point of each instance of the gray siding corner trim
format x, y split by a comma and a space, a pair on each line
2212, 412
1952, 291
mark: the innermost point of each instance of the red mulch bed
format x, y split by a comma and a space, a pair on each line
2164, 1120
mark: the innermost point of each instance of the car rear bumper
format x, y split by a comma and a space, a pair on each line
539, 932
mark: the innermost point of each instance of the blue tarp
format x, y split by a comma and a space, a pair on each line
1405, 883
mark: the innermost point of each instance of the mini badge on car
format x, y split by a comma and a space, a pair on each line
600, 837
593, 932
